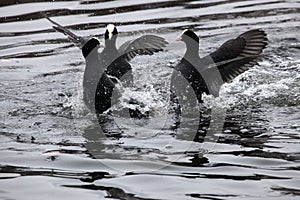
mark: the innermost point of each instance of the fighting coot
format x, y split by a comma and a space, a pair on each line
193, 75
104, 68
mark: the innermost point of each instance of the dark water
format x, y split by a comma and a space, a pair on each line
52, 149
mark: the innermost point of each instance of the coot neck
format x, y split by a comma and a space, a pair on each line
192, 51
111, 44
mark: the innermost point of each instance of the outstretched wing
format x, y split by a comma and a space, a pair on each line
144, 45
77, 40
238, 55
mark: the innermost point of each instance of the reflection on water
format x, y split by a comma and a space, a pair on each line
50, 145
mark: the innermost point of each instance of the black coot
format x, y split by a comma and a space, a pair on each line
193, 75
104, 68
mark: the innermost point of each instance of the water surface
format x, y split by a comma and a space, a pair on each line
47, 137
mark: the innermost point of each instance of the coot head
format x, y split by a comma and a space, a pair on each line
188, 36
90, 45
111, 32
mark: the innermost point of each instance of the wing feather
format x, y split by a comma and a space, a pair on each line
238, 55
144, 45
77, 40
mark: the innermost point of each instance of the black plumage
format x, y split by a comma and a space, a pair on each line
97, 86
104, 68
194, 75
